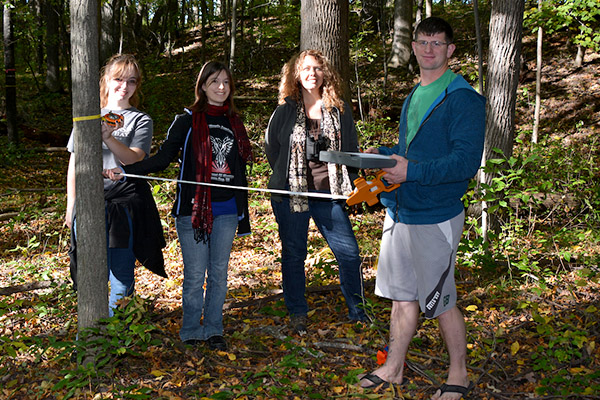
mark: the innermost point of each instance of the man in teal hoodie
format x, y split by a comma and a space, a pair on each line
442, 129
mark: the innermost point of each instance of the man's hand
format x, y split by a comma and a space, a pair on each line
397, 173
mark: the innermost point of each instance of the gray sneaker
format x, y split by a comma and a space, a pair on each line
298, 324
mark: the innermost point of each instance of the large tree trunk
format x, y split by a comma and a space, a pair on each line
403, 32
52, 47
10, 76
506, 25
324, 27
92, 288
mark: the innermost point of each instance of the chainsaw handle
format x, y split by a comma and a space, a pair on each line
368, 190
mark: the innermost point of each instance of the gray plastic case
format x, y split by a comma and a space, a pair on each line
357, 160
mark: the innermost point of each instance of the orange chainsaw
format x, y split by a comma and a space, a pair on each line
364, 190
368, 190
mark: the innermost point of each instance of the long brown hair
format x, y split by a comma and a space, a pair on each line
208, 69
120, 66
330, 90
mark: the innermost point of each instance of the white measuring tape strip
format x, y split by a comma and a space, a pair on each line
278, 191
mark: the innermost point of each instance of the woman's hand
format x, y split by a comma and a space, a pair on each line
108, 129
69, 217
113, 174
372, 150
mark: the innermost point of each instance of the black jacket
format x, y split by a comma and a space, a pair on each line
148, 240
179, 143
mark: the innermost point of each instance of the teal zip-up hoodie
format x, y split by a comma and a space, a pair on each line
443, 157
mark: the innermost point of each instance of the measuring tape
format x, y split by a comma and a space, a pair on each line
278, 191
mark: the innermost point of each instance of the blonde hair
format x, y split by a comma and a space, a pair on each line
330, 90
120, 66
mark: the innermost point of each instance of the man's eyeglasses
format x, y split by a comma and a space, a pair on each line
434, 43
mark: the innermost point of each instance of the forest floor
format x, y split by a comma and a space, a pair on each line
525, 340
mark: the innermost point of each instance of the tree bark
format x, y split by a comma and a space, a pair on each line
92, 297
108, 30
38, 10
420, 12
10, 75
233, 32
428, 8
324, 27
52, 47
479, 44
403, 32
538, 82
506, 23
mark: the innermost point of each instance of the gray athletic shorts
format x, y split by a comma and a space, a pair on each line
416, 262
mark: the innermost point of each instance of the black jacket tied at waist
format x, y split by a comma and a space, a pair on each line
133, 196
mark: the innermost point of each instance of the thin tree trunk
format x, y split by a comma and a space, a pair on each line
420, 11
538, 83
479, 44
10, 76
204, 10
579, 56
52, 47
233, 32
38, 8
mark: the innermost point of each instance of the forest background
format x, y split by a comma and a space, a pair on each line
529, 291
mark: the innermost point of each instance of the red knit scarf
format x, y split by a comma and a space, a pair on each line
202, 217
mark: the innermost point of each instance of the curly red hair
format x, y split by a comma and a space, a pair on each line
331, 93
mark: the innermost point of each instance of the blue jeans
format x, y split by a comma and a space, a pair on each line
200, 260
334, 224
121, 265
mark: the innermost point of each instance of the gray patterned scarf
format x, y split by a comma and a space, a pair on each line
339, 180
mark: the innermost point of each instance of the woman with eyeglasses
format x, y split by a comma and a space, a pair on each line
134, 230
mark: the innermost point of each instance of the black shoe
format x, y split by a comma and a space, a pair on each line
192, 342
217, 343
298, 324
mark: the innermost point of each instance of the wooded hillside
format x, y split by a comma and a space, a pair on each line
530, 292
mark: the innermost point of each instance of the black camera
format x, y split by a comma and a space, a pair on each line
315, 146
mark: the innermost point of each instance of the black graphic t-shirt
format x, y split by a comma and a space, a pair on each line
224, 156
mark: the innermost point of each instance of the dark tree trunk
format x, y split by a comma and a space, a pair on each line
10, 76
